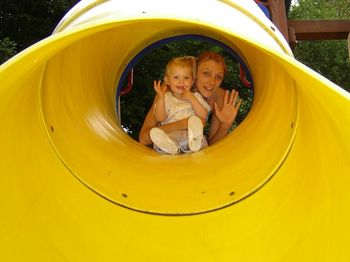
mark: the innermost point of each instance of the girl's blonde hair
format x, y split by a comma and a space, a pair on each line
185, 61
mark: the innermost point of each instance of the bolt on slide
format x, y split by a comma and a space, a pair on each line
75, 187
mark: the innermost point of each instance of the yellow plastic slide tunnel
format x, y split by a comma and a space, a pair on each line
75, 187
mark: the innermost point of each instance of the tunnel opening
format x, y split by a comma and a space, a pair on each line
135, 91
78, 98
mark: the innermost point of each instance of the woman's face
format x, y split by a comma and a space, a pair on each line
209, 77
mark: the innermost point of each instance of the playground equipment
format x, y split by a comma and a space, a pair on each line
75, 187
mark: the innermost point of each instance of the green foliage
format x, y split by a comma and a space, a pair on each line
26, 21
135, 105
320, 9
7, 49
329, 58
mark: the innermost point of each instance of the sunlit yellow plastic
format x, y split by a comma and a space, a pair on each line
75, 187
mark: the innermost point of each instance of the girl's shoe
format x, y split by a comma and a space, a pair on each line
163, 141
195, 133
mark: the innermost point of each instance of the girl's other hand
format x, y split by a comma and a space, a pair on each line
187, 95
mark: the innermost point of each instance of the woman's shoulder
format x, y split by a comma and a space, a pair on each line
219, 95
221, 91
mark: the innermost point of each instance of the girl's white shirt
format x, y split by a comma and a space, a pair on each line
178, 109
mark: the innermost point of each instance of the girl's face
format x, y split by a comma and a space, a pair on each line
179, 79
209, 77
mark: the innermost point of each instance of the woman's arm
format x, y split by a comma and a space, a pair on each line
217, 130
225, 115
150, 122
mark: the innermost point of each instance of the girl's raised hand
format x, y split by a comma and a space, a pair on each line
160, 88
228, 112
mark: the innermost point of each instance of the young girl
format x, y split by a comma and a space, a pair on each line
177, 104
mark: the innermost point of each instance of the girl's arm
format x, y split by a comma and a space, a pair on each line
197, 107
159, 110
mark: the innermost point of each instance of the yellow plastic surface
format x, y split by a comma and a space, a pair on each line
75, 187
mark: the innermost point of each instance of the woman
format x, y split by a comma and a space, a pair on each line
211, 68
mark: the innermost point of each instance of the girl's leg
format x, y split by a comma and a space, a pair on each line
162, 142
195, 133
183, 144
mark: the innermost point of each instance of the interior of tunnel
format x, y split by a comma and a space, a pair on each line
75, 186
78, 96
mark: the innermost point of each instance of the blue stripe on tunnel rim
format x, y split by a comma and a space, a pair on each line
164, 41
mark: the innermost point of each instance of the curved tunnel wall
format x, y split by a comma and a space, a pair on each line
62, 92
86, 112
